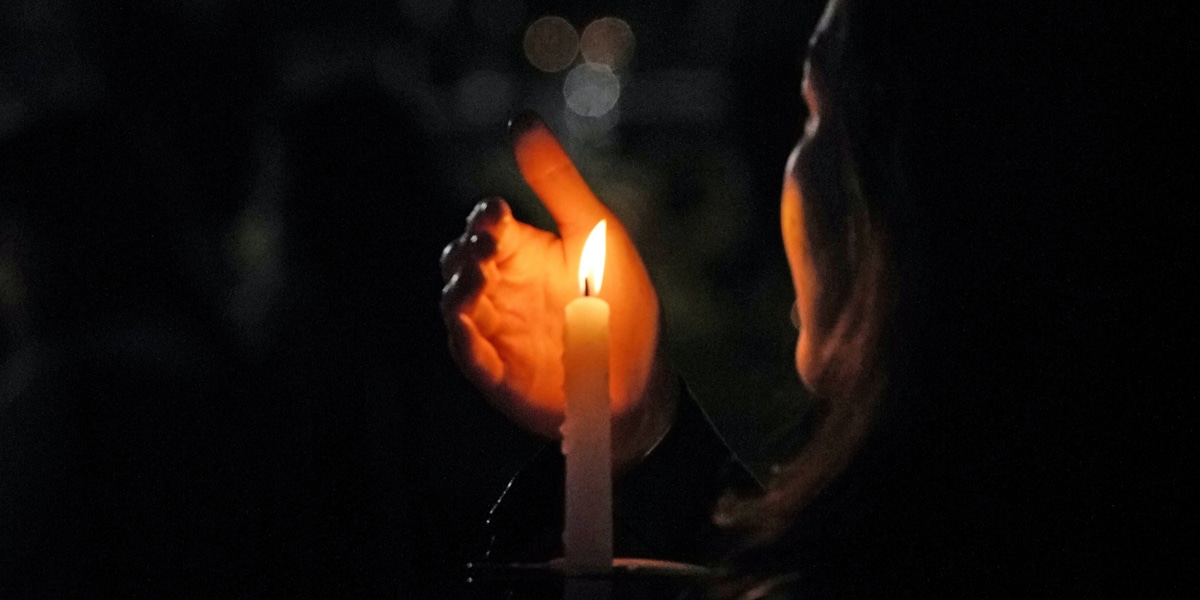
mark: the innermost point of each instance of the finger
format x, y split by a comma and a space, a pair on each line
461, 298
466, 294
463, 289
488, 213
479, 239
552, 175
473, 352
493, 216
469, 247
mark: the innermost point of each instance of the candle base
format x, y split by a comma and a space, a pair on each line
621, 568
629, 578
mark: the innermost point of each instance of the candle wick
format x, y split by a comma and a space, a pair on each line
586, 289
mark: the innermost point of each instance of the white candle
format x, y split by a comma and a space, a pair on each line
587, 428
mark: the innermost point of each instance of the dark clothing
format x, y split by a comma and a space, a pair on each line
903, 518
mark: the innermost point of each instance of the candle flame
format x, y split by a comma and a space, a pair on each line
591, 263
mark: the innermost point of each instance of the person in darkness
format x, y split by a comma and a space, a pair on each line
924, 216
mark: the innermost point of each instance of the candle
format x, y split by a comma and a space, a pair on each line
587, 428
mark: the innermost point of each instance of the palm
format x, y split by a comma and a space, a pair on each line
521, 318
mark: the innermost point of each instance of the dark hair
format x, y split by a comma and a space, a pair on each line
958, 146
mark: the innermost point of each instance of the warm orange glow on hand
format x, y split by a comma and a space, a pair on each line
508, 284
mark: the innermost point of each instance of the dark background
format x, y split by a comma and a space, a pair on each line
224, 369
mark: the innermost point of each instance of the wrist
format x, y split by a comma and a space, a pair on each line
636, 434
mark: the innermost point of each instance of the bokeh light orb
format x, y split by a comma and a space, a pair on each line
591, 90
607, 41
551, 44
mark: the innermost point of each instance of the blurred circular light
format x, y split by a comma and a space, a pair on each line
591, 90
607, 41
551, 44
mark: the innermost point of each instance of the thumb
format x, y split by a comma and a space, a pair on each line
548, 169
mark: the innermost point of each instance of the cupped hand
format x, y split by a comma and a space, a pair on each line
508, 283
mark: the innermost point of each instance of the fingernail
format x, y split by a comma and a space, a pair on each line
487, 212
450, 284
484, 244
480, 208
523, 122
